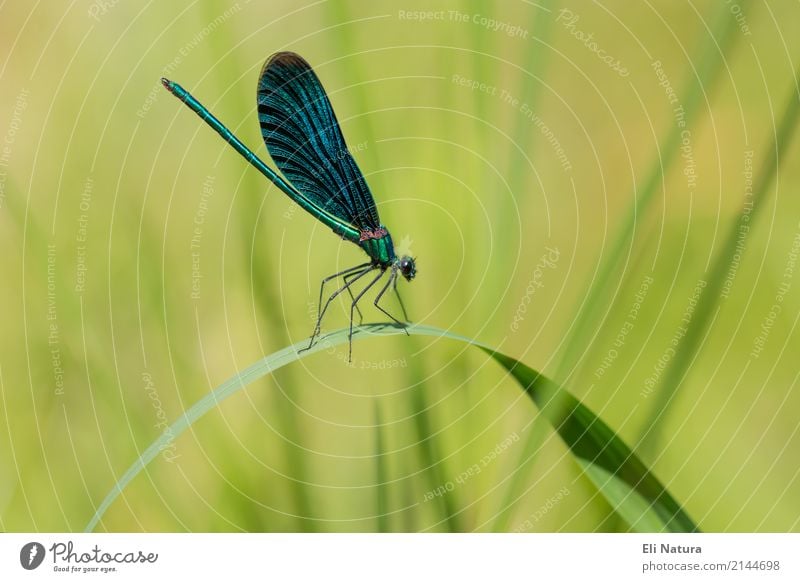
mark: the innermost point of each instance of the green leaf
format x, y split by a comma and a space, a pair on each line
630, 506
596, 447
593, 442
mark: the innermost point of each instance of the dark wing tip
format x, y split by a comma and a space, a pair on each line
285, 57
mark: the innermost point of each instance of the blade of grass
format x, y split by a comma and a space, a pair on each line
629, 506
594, 443
708, 303
698, 87
589, 439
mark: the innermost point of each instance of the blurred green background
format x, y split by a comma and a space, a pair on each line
511, 148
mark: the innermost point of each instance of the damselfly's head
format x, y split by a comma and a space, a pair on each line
407, 266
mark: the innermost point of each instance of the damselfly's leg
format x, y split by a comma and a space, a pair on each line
346, 273
364, 270
400, 299
392, 279
352, 298
353, 306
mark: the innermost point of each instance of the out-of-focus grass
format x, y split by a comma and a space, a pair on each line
724, 263
700, 83
473, 187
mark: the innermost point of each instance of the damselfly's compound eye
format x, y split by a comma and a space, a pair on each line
408, 268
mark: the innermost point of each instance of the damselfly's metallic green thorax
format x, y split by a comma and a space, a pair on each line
378, 245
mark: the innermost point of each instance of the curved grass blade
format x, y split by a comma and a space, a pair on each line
591, 441
613, 463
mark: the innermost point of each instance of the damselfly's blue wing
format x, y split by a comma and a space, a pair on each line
304, 138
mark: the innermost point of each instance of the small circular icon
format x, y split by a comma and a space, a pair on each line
31, 555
